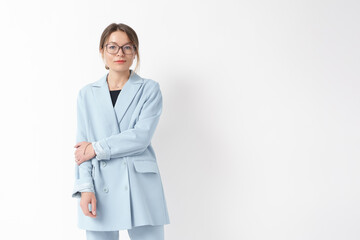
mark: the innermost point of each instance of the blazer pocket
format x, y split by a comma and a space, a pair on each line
146, 167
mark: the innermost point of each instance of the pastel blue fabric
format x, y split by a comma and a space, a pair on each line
102, 235
137, 233
124, 174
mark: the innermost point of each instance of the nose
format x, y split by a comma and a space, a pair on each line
120, 52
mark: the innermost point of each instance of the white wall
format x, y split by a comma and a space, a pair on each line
259, 137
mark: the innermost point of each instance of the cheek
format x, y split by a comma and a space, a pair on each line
108, 59
133, 57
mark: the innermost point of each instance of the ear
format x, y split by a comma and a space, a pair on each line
101, 51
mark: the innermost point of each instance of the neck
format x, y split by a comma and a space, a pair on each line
116, 80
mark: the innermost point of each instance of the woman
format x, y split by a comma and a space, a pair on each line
117, 180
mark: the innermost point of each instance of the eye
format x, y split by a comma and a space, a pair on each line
127, 47
112, 47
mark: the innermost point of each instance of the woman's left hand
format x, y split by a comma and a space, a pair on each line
84, 152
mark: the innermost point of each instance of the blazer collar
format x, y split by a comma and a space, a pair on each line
114, 115
133, 79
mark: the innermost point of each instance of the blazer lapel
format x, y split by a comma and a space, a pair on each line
114, 115
127, 94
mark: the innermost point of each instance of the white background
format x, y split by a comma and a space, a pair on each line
259, 137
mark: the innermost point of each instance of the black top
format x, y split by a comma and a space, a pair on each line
114, 95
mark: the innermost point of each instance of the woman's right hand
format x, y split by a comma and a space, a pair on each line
86, 198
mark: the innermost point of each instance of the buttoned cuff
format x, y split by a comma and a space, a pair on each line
102, 150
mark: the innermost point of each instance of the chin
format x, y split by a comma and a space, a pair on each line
120, 68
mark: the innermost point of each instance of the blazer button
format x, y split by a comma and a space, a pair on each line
124, 163
106, 190
103, 164
126, 188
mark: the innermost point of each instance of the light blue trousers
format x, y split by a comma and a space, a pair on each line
146, 232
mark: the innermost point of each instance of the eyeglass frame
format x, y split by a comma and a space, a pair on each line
134, 47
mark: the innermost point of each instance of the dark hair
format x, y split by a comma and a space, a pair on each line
129, 32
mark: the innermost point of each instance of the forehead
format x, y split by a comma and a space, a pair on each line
118, 37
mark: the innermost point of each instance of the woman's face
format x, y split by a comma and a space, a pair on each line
120, 38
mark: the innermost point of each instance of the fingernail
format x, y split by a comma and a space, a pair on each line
94, 213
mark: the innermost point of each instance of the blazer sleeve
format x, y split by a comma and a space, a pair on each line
83, 172
135, 140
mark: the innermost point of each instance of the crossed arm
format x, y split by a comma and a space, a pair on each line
129, 142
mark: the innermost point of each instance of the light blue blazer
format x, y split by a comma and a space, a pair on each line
125, 174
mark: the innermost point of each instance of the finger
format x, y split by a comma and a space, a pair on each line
79, 161
79, 155
90, 210
78, 144
88, 214
93, 206
82, 158
79, 152
86, 211
84, 208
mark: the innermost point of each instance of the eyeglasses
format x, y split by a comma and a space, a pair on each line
113, 48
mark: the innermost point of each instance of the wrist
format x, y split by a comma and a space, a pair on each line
92, 150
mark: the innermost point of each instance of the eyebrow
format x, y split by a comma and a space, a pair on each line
118, 44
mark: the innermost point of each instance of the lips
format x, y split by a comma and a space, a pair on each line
121, 61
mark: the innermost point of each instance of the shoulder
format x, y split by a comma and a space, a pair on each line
151, 89
87, 88
150, 85
84, 90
